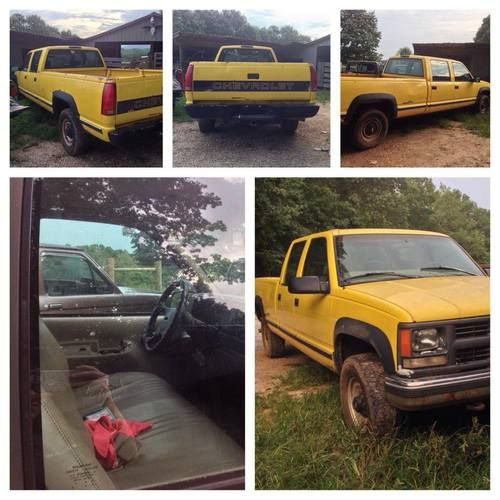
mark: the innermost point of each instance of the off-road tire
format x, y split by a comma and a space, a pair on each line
367, 371
483, 104
206, 126
274, 346
71, 134
289, 126
369, 129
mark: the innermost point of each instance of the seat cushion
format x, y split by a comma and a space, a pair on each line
183, 442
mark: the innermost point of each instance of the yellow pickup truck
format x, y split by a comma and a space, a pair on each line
403, 316
407, 86
73, 83
247, 83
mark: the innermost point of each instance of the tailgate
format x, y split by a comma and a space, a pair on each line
139, 97
254, 82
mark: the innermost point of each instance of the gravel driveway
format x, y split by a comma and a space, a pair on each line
409, 145
240, 145
139, 151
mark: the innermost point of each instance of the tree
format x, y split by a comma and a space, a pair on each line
404, 51
359, 36
483, 33
36, 25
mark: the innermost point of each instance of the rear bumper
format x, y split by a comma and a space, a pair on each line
119, 134
252, 112
431, 392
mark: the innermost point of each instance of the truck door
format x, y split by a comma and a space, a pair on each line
442, 91
464, 82
29, 78
313, 312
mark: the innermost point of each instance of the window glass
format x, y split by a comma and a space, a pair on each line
316, 263
237, 54
404, 66
461, 72
440, 71
141, 332
293, 261
35, 60
73, 58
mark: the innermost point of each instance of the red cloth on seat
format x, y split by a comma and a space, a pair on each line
104, 431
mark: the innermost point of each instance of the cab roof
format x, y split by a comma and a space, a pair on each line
344, 232
417, 56
65, 47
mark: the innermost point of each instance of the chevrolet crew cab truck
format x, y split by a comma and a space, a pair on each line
88, 98
247, 83
407, 86
403, 316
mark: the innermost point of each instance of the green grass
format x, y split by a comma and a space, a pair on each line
179, 113
302, 443
323, 95
476, 123
33, 123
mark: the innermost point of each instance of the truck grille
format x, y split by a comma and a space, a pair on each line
472, 329
472, 344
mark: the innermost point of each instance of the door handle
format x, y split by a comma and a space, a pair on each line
25, 76
279, 297
434, 87
55, 307
295, 302
457, 87
253, 76
34, 79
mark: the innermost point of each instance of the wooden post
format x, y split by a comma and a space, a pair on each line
110, 267
158, 275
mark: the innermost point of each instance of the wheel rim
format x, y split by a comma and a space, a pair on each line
68, 132
357, 403
371, 129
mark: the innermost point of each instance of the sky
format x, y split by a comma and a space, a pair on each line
402, 28
476, 188
311, 22
85, 23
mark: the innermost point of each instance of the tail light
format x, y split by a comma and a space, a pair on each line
314, 79
13, 90
188, 79
108, 103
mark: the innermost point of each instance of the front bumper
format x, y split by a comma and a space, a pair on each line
444, 390
252, 112
118, 135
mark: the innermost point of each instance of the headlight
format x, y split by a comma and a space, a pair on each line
427, 339
421, 347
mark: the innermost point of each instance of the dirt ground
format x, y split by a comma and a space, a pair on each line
407, 146
268, 370
141, 151
240, 145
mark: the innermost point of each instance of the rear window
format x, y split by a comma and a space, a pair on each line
410, 67
245, 55
73, 58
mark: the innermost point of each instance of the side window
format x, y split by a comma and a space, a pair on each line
461, 72
440, 71
27, 60
293, 261
34, 61
65, 275
316, 263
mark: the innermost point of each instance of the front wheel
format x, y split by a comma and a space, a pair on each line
370, 129
483, 104
71, 133
362, 395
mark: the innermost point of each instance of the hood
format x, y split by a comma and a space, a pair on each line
433, 298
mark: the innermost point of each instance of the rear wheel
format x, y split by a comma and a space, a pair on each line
289, 126
206, 126
483, 104
369, 129
274, 346
73, 138
362, 395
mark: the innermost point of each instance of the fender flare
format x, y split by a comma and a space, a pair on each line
349, 327
259, 308
59, 95
373, 98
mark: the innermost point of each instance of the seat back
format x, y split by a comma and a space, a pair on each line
69, 458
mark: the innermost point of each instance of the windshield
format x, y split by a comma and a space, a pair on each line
245, 55
378, 257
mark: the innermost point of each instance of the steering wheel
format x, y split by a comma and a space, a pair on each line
164, 319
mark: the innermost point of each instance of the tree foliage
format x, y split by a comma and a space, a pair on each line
404, 51
232, 23
483, 33
286, 208
359, 36
36, 25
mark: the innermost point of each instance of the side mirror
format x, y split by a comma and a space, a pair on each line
477, 79
486, 268
308, 284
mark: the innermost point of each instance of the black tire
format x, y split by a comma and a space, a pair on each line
71, 134
206, 126
289, 126
483, 104
369, 129
274, 346
362, 395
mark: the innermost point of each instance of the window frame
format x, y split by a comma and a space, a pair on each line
469, 80
444, 64
35, 59
284, 280
317, 238
405, 74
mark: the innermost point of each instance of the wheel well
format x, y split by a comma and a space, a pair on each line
384, 106
346, 345
259, 308
58, 105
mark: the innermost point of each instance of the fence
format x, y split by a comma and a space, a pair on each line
324, 75
111, 269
